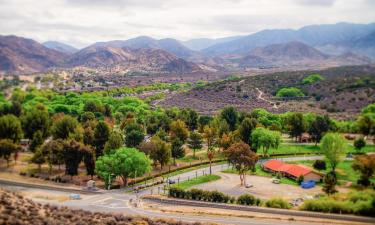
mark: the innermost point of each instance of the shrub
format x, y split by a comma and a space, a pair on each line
313, 78
290, 92
196, 194
319, 164
300, 179
359, 143
277, 203
247, 199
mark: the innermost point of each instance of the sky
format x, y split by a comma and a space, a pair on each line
83, 22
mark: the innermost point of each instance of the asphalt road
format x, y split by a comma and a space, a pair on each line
121, 201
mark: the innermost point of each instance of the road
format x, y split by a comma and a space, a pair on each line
122, 201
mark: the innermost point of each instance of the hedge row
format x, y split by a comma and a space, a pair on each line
212, 196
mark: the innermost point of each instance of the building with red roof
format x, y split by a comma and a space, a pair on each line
292, 171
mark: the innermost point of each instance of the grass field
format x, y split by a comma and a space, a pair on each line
260, 172
199, 180
288, 148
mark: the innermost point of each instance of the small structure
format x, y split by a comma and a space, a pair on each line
25, 144
291, 170
305, 138
91, 185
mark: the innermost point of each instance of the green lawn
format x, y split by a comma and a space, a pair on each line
199, 180
260, 172
301, 148
344, 170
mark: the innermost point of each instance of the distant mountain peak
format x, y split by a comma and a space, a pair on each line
61, 47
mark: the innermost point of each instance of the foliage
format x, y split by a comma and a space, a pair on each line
311, 79
329, 183
230, 115
265, 139
365, 164
64, 127
246, 128
115, 141
319, 164
195, 194
177, 149
7, 148
300, 179
290, 92
277, 203
125, 163
36, 141
36, 119
195, 141
178, 130
242, 158
38, 158
162, 152
247, 199
319, 127
10, 128
296, 124
359, 143
101, 135
333, 146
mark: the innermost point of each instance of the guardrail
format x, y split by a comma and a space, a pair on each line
286, 212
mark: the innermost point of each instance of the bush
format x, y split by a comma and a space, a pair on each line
300, 179
313, 78
290, 92
359, 143
320, 165
278, 203
197, 194
247, 199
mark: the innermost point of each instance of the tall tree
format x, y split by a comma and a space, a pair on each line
209, 133
36, 119
36, 141
73, 156
10, 128
329, 183
230, 115
134, 134
195, 141
365, 164
359, 143
178, 130
366, 124
53, 151
242, 158
246, 127
101, 135
7, 148
177, 149
265, 139
297, 125
38, 158
163, 152
319, 127
125, 163
64, 127
115, 141
333, 146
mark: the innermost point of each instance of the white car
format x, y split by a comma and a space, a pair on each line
275, 181
248, 185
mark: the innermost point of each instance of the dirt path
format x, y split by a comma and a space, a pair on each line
260, 96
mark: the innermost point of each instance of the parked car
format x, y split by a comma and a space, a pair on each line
249, 185
308, 184
171, 181
74, 196
275, 181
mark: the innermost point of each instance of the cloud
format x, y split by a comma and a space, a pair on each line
316, 2
82, 22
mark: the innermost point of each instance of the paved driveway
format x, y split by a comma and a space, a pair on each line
263, 187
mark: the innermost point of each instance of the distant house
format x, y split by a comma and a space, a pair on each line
292, 171
305, 137
25, 144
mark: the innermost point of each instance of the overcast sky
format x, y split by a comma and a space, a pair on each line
82, 22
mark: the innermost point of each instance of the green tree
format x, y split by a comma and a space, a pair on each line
265, 139
366, 124
230, 115
10, 128
7, 148
115, 141
333, 146
296, 125
359, 143
125, 163
178, 130
195, 141
246, 128
209, 133
36, 119
163, 152
177, 149
38, 158
319, 127
190, 117
64, 127
134, 138
36, 141
290, 92
53, 152
89, 160
101, 135
365, 164
242, 158
329, 183
73, 157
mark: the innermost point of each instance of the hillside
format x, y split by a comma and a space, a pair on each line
127, 59
338, 35
61, 47
22, 55
15, 209
342, 93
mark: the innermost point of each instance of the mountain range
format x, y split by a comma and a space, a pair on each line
330, 45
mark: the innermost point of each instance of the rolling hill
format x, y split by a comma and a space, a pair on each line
61, 47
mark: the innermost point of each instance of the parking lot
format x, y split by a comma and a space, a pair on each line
262, 187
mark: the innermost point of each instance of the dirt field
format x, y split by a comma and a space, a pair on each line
263, 187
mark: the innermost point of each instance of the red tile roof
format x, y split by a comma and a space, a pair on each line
291, 169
